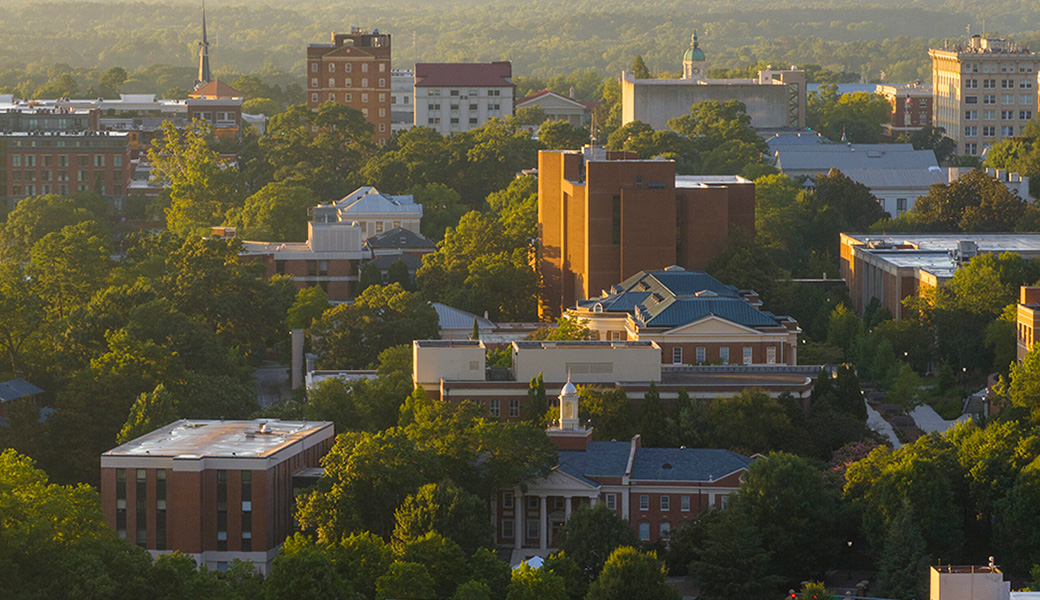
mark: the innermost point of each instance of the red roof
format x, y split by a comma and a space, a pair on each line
496, 74
216, 89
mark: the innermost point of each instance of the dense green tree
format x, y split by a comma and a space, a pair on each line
36, 216
276, 213
934, 138
535, 584
592, 534
398, 273
653, 422
536, 400
975, 202
562, 135
855, 117
405, 581
442, 208
473, 590
311, 302
639, 69
353, 335
21, 314
485, 567
730, 562
904, 561
149, 412
363, 558
70, 265
609, 411
445, 509
631, 575
442, 557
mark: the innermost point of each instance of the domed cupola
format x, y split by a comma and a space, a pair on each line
694, 61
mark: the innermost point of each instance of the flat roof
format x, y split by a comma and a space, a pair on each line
701, 181
932, 252
529, 344
227, 439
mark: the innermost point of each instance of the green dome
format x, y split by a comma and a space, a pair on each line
693, 53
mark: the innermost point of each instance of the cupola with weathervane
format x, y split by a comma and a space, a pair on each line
567, 433
694, 64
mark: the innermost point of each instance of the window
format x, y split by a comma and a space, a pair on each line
971, 84
141, 493
120, 498
666, 530
684, 503
314, 67
900, 205
971, 99
16, 160
348, 82
332, 96
472, 120
364, 82
494, 409
364, 97
160, 509
473, 107
702, 354
989, 131
971, 148
222, 510
332, 67
644, 502
666, 502
644, 532
382, 67
1025, 84
611, 500
314, 82
532, 502
724, 355
382, 97
507, 528
514, 408
677, 355
30, 160
117, 161
971, 131
1026, 99
971, 115
771, 355
532, 529
747, 357
1025, 115
1007, 84
348, 67
314, 97
1007, 99
247, 510
989, 99
1007, 130
332, 82
615, 336
364, 67
989, 84
348, 97
454, 120
507, 500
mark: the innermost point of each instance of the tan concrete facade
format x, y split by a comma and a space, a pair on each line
1027, 320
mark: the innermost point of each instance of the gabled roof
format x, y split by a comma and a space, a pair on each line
216, 89
367, 199
549, 93
495, 74
880, 179
599, 459
388, 260
674, 297
402, 238
449, 317
17, 388
821, 158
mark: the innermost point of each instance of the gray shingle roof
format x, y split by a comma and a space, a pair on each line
17, 388
610, 459
449, 317
399, 237
880, 179
824, 157
386, 261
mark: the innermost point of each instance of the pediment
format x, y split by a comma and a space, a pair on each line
712, 325
558, 481
347, 52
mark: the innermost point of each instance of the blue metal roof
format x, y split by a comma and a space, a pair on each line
686, 464
600, 459
17, 388
688, 310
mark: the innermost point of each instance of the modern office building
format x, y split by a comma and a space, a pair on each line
354, 70
693, 317
774, 100
654, 489
605, 216
453, 97
213, 490
895, 266
983, 91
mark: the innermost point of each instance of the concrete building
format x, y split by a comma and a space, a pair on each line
354, 70
331, 257
654, 489
605, 216
972, 582
560, 108
983, 91
373, 211
693, 318
402, 100
213, 490
453, 97
774, 100
456, 369
893, 267
911, 108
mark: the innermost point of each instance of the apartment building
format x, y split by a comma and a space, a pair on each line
983, 91
911, 106
213, 490
354, 70
453, 97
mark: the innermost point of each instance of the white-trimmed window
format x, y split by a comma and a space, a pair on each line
507, 528
514, 408
665, 531
507, 499
771, 355
747, 358
494, 409
666, 502
684, 503
702, 354
644, 532
677, 355
644, 502
611, 500
724, 355
532, 529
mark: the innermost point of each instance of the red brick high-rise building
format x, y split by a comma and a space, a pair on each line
605, 216
354, 70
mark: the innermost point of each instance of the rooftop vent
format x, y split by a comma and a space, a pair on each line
706, 294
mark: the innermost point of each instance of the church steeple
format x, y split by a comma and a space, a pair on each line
204, 74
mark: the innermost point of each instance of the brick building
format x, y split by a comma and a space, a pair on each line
694, 318
354, 70
605, 216
654, 489
214, 490
911, 108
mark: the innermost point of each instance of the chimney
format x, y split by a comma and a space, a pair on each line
1029, 294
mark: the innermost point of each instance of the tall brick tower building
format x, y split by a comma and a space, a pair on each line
354, 70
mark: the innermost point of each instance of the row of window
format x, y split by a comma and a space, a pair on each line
495, 409
472, 92
989, 67
141, 506
991, 84
62, 189
900, 205
62, 160
1005, 115
85, 142
1005, 99
348, 82
81, 175
348, 67
989, 131
246, 516
701, 354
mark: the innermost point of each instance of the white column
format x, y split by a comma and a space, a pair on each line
543, 525
594, 500
519, 526
567, 507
